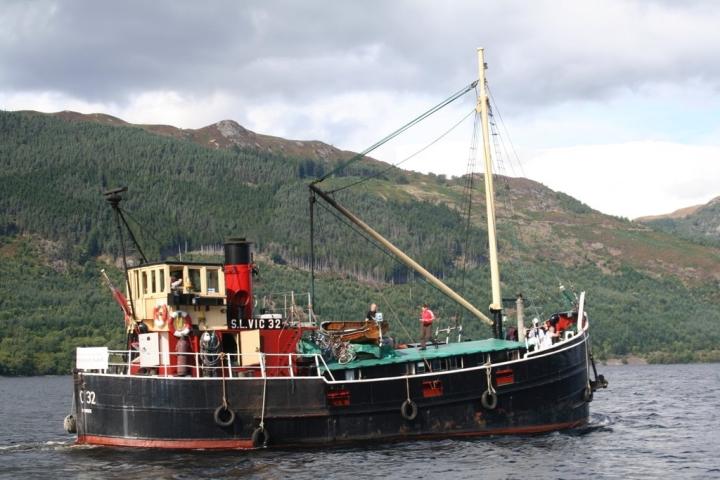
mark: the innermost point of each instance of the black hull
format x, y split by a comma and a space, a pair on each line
546, 393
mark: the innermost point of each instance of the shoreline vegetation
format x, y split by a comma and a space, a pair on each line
664, 358
651, 295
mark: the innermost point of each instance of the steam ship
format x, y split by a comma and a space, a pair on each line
209, 366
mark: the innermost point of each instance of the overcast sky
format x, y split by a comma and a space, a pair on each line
614, 102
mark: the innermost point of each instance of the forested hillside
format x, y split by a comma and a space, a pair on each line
699, 224
649, 293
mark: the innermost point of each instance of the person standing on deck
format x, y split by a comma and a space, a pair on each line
371, 313
176, 286
426, 320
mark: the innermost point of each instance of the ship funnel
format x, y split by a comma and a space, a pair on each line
238, 281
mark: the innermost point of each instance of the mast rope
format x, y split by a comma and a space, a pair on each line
224, 392
141, 227
418, 152
467, 192
506, 200
397, 132
262, 412
375, 245
507, 149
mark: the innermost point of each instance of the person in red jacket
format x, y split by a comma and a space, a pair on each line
426, 320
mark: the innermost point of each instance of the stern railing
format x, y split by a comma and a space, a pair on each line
207, 365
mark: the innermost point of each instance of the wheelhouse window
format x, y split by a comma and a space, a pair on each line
213, 283
194, 277
161, 279
136, 284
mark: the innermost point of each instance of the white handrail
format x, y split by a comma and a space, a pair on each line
130, 361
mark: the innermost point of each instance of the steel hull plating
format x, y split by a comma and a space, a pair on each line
533, 395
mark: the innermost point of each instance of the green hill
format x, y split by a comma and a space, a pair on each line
649, 293
700, 224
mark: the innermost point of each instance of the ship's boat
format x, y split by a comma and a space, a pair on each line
208, 365
355, 332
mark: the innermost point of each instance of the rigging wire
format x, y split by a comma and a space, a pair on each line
361, 155
418, 152
507, 149
141, 227
370, 241
507, 200
467, 192
397, 132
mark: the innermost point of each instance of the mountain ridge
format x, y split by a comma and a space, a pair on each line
699, 223
222, 134
683, 212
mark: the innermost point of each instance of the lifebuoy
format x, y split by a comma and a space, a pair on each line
489, 400
260, 437
224, 416
409, 410
181, 323
160, 316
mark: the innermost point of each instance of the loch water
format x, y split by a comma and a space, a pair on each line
654, 421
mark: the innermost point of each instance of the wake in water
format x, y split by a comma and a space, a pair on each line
598, 423
38, 446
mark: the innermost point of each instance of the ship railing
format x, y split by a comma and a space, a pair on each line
286, 304
213, 365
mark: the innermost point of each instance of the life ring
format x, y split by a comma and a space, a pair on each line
160, 316
587, 394
181, 323
222, 411
489, 400
260, 437
409, 410
346, 357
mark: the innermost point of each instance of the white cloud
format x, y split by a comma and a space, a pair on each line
631, 179
599, 75
50, 101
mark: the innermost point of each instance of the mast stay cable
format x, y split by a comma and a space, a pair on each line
397, 132
508, 150
374, 244
362, 154
413, 155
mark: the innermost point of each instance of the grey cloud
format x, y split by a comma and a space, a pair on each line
539, 52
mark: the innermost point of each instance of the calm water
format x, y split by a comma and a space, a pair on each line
653, 422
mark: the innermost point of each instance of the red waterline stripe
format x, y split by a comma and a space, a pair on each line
549, 427
186, 444
247, 444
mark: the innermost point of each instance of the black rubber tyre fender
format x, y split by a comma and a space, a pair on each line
224, 416
489, 400
409, 410
260, 437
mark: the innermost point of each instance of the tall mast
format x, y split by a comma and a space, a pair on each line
482, 108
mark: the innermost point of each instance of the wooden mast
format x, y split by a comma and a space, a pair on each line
482, 108
402, 256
